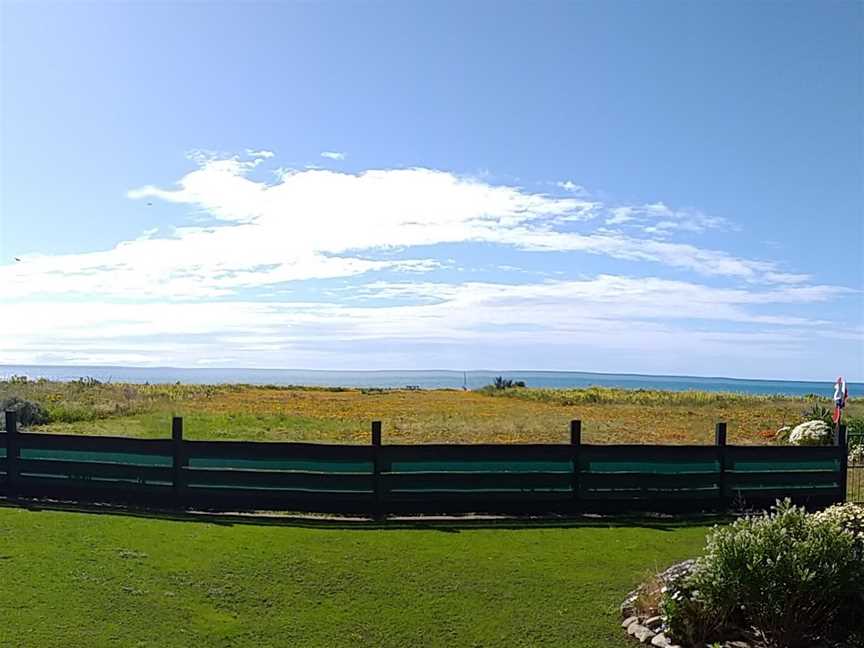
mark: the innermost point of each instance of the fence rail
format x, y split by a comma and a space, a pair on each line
380, 477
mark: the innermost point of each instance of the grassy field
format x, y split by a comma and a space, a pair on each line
344, 415
87, 579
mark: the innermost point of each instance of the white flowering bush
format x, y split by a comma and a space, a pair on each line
856, 455
796, 579
811, 433
850, 518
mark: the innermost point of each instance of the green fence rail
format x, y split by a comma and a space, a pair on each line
378, 477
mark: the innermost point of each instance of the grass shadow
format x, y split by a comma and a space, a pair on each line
442, 523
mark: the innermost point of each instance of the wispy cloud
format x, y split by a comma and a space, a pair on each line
572, 317
660, 220
263, 153
572, 187
333, 155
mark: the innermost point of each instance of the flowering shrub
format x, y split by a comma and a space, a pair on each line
849, 517
811, 433
794, 578
856, 455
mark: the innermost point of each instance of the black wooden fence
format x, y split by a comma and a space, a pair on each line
567, 477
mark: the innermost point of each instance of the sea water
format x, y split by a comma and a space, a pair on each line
434, 379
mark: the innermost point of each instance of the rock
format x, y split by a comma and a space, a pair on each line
628, 621
645, 634
627, 608
635, 627
660, 641
653, 622
673, 573
677, 571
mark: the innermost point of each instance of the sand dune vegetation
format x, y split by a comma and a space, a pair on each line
410, 416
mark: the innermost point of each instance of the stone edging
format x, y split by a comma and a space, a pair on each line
649, 629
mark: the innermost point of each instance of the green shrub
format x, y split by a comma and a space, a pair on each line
795, 578
854, 429
29, 412
688, 618
820, 413
501, 382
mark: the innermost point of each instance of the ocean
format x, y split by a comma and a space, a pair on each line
424, 379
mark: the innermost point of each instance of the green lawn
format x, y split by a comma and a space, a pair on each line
87, 579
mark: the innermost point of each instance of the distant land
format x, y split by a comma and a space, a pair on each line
425, 379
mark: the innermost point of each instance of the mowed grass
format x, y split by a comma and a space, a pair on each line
449, 416
86, 579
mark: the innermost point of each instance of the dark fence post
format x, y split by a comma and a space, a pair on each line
12, 451
843, 444
178, 456
575, 442
720, 442
376, 464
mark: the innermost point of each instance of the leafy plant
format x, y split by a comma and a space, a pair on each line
819, 412
687, 617
793, 577
501, 382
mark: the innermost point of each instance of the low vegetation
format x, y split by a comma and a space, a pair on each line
788, 579
507, 415
134, 581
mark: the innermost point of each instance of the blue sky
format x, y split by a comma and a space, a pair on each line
643, 187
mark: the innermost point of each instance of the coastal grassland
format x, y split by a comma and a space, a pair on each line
87, 579
344, 415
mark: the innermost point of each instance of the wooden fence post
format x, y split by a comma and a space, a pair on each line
178, 456
843, 444
720, 442
575, 442
12, 450
376, 464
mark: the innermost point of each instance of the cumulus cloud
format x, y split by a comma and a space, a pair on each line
333, 155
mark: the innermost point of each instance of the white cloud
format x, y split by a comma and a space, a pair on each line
333, 155
317, 224
263, 153
572, 187
571, 318
660, 220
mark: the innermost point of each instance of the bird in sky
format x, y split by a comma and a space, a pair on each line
17, 259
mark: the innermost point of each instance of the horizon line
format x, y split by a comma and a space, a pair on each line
490, 371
